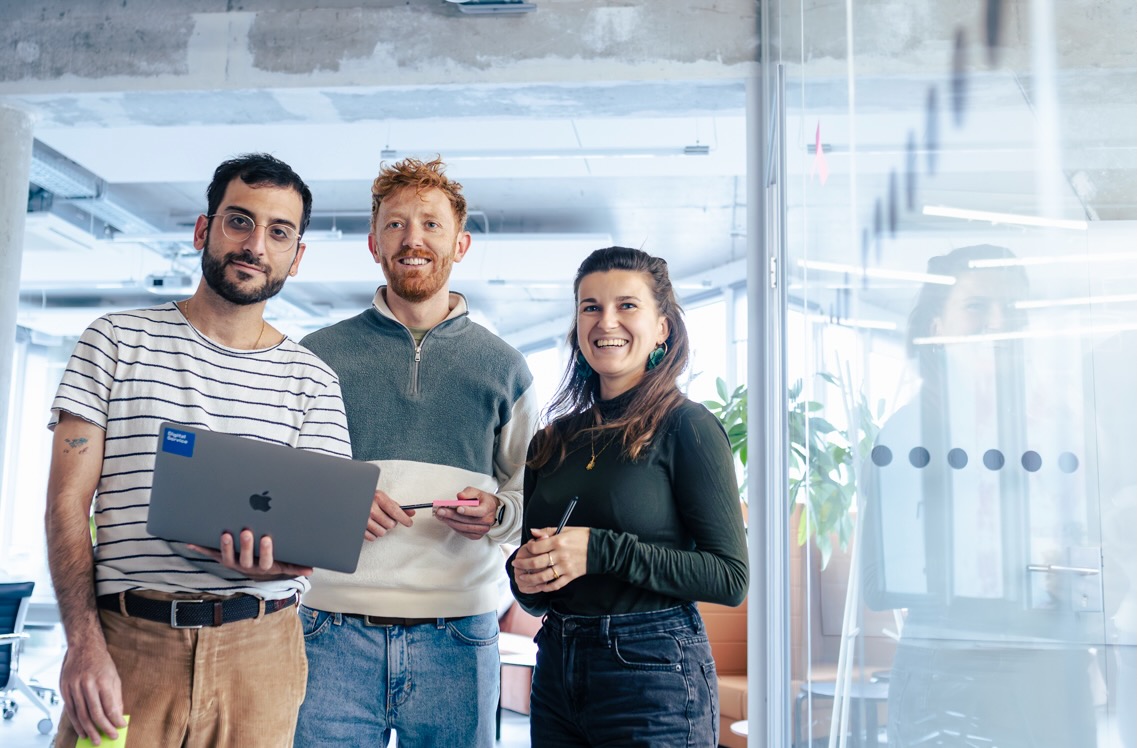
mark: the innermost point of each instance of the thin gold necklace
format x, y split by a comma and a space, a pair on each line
256, 343
592, 448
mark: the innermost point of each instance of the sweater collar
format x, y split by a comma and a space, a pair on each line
458, 306
617, 406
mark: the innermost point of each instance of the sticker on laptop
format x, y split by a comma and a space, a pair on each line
177, 442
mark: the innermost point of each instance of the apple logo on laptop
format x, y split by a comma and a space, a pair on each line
259, 501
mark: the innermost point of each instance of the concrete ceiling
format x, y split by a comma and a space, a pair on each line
569, 170
571, 127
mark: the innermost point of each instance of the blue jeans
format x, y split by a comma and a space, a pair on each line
637, 679
434, 684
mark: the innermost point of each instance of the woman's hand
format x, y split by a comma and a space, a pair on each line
548, 562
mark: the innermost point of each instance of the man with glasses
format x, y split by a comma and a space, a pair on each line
200, 647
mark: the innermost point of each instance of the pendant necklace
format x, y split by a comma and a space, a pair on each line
256, 343
592, 448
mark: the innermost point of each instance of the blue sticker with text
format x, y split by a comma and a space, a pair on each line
177, 442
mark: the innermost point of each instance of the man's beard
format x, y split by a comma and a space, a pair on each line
213, 270
419, 286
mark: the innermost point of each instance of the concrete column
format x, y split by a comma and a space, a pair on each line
15, 165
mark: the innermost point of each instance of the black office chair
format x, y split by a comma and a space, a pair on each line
14, 599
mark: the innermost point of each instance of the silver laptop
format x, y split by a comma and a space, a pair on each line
314, 506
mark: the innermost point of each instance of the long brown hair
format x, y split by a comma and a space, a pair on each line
572, 410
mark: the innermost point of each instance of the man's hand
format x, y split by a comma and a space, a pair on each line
262, 567
89, 681
91, 691
471, 522
385, 514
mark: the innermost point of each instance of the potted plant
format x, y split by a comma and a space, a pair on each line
822, 469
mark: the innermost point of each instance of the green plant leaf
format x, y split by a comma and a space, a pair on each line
822, 473
826, 547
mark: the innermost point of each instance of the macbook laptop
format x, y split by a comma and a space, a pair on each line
314, 506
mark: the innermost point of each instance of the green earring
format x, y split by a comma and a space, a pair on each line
656, 356
583, 369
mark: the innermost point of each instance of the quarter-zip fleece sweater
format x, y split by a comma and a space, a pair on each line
456, 410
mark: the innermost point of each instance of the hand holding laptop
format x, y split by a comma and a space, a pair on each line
251, 559
280, 501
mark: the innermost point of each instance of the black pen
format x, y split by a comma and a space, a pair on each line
565, 516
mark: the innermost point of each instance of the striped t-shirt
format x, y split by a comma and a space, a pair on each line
133, 370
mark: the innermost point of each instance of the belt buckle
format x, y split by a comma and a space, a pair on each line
174, 613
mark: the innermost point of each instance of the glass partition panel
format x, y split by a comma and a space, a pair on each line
961, 226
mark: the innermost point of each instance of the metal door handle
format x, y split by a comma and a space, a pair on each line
1059, 569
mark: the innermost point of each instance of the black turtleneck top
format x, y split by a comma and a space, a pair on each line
666, 528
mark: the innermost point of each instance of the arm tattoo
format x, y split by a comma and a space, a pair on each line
79, 443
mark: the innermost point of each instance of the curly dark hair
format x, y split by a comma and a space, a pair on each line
258, 170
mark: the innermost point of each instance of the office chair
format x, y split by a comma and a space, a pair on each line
14, 599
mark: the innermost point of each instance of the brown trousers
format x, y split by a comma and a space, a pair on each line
240, 684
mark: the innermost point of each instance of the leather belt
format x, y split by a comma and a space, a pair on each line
388, 621
192, 614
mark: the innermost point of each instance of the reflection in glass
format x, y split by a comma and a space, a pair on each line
996, 646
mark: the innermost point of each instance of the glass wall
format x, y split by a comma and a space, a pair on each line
961, 350
36, 370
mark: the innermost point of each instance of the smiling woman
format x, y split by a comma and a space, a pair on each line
657, 524
618, 327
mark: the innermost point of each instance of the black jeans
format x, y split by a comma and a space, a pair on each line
637, 679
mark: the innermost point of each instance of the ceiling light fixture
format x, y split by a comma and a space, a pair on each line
944, 211
1080, 330
554, 154
1089, 258
1076, 301
865, 324
186, 237
879, 273
499, 7
170, 284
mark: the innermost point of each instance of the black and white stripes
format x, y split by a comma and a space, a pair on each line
133, 370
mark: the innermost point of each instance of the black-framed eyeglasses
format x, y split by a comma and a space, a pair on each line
279, 237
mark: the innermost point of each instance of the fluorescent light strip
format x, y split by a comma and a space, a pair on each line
1016, 219
567, 285
1026, 334
1078, 301
1088, 258
882, 273
554, 154
868, 324
186, 237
